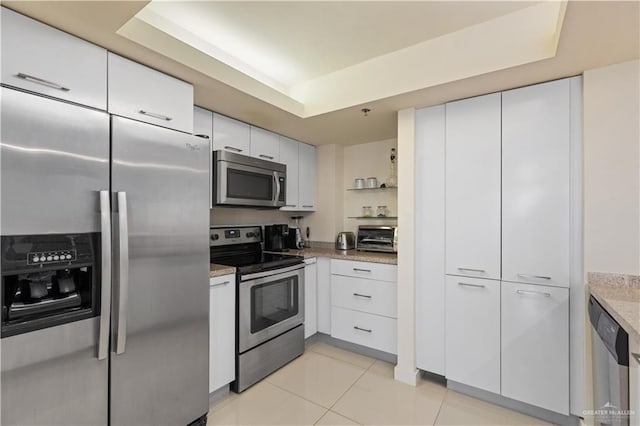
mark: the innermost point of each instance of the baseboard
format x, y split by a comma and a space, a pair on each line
218, 395
530, 410
359, 349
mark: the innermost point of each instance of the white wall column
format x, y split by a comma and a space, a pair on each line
405, 370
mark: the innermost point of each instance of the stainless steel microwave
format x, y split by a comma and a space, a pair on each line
242, 181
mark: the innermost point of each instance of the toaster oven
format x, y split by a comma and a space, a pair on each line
377, 238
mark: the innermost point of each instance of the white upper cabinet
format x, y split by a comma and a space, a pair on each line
289, 157
535, 345
307, 177
472, 190
144, 94
202, 122
536, 170
265, 144
231, 135
41, 59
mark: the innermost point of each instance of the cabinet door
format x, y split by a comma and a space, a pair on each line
265, 144
307, 173
472, 339
289, 157
535, 345
203, 126
231, 135
202, 122
41, 59
310, 298
222, 343
536, 184
324, 295
144, 94
472, 187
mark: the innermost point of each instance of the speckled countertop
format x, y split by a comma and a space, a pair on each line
220, 270
319, 249
620, 296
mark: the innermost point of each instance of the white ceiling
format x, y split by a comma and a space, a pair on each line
310, 58
594, 34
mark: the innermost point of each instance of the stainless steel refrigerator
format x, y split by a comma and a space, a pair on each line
135, 352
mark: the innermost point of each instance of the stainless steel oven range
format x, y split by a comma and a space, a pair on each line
269, 302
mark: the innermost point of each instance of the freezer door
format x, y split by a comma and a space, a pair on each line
160, 322
54, 160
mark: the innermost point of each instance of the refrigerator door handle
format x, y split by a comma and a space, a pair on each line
123, 268
105, 285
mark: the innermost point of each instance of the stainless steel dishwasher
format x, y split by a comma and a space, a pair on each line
610, 350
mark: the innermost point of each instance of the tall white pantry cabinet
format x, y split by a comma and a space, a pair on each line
502, 175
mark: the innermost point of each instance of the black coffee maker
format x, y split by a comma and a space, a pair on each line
275, 237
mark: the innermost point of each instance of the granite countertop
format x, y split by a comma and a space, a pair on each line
220, 270
319, 249
620, 296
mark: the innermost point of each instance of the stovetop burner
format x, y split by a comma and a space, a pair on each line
241, 247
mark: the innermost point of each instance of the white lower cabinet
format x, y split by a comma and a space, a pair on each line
324, 295
535, 345
472, 339
363, 304
222, 343
373, 331
310, 297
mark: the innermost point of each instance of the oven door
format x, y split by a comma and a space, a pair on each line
245, 185
270, 303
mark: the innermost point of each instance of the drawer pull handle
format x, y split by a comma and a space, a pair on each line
368, 330
290, 205
366, 296
308, 206
540, 277
536, 293
361, 270
472, 285
203, 136
482, 271
220, 284
266, 156
42, 82
233, 148
154, 115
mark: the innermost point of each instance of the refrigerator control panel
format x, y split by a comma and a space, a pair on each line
51, 256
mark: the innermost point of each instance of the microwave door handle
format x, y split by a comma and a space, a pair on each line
123, 267
277, 194
105, 280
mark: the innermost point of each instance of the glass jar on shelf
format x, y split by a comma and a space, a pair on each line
367, 211
382, 211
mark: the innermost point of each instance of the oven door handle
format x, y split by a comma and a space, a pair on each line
273, 272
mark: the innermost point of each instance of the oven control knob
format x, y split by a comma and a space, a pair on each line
249, 234
215, 237
68, 256
49, 258
43, 259
56, 257
36, 258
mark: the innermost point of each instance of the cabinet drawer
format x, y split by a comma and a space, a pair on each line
373, 331
373, 271
144, 94
364, 295
41, 59
231, 135
265, 145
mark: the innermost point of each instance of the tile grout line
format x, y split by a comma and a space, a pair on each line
446, 392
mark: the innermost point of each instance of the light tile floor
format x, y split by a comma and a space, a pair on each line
331, 386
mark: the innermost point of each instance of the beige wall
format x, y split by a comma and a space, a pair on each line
363, 161
612, 168
327, 220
